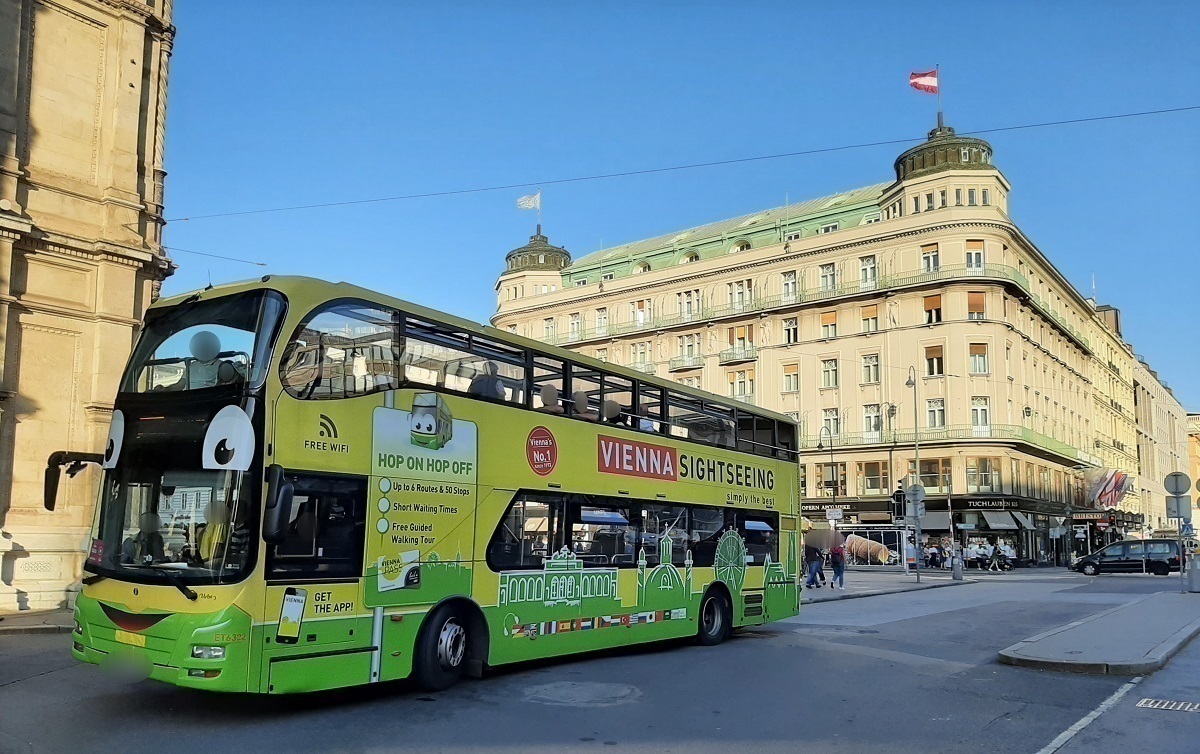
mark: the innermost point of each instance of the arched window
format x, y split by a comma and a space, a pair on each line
689, 257
641, 267
739, 246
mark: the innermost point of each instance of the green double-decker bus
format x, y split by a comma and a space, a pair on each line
309, 485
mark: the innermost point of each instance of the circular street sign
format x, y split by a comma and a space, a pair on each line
1177, 483
916, 493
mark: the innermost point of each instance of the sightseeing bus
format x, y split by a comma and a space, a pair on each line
308, 485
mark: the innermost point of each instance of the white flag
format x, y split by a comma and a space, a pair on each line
533, 201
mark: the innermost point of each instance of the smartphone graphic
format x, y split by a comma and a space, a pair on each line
290, 615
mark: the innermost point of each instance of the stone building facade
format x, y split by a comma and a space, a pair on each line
1162, 437
825, 309
82, 112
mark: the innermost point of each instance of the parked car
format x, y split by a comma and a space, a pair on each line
1161, 557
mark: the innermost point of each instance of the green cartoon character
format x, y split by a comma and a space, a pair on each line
432, 424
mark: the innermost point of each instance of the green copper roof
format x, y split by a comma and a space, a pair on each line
759, 229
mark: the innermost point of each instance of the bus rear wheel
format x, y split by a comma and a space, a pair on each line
716, 619
441, 651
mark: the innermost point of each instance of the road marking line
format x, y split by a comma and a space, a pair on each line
1089, 718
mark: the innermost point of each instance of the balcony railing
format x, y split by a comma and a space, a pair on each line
744, 397
643, 366
680, 363
942, 434
735, 355
826, 292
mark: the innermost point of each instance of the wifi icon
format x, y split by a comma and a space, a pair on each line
328, 428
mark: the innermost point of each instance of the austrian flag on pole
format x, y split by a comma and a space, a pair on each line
926, 82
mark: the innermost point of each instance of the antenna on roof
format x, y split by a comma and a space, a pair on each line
787, 245
601, 263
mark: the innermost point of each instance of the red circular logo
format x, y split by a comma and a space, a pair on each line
542, 451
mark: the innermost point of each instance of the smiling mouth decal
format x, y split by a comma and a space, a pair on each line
223, 453
132, 621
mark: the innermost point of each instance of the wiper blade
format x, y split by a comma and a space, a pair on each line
175, 582
89, 580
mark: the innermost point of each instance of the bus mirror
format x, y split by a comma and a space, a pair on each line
51, 490
59, 458
279, 505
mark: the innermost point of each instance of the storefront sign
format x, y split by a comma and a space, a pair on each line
833, 514
989, 504
819, 507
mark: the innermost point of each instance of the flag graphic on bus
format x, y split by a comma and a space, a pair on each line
432, 424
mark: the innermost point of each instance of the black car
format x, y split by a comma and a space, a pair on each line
1161, 557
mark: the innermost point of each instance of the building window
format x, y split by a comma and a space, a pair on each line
942, 198
871, 422
935, 474
580, 282
933, 309
575, 325
795, 235
688, 303
689, 345
979, 358
958, 197
987, 197
739, 247
930, 262
608, 276
933, 361
602, 321
965, 154
873, 478
791, 378
689, 258
975, 256
929, 201
639, 312
831, 421
935, 412
976, 305
689, 381
872, 218
829, 373
741, 337
641, 267
548, 327
790, 286
971, 197
833, 479
828, 324
981, 417
512, 328
829, 227
916, 204
602, 354
828, 277
740, 292
870, 318
870, 368
868, 272
791, 331
640, 353
741, 383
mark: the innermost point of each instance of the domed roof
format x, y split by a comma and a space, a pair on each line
944, 151
538, 254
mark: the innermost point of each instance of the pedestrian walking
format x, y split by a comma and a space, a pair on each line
812, 561
837, 558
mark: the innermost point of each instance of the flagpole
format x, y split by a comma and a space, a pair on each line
540, 199
937, 74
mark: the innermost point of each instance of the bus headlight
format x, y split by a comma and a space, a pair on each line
78, 628
208, 653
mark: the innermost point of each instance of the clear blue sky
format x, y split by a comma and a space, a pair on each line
280, 103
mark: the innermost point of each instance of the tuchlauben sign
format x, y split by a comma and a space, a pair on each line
968, 504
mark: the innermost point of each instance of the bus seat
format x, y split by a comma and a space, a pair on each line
580, 401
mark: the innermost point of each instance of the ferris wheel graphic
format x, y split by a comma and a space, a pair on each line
731, 560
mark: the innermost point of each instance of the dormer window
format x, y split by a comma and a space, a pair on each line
581, 282
641, 267
739, 247
966, 155
987, 197
541, 258
690, 257
829, 228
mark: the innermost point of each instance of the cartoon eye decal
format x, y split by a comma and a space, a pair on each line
116, 439
229, 441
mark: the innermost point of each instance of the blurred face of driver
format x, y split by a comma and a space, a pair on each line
205, 345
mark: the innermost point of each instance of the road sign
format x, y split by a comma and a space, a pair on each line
1177, 483
833, 514
914, 510
915, 493
898, 496
1187, 530
1179, 506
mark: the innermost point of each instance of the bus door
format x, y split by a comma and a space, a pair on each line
317, 632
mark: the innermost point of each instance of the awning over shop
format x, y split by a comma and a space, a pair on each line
935, 521
1023, 519
999, 520
875, 517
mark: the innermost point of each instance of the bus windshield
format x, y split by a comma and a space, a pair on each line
204, 344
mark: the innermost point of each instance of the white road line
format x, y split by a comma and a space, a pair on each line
1088, 719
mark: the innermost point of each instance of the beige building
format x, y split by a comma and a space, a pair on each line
823, 309
82, 101
1162, 426
1114, 421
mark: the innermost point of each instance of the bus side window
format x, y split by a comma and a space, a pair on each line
548, 385
662, 522
529, 533
705, 527
787, 441
325, 535
604, 535
760, 530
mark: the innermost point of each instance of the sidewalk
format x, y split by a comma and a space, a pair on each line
863, 583
40, 622
1135, 638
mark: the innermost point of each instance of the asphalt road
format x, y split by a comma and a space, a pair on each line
911, 672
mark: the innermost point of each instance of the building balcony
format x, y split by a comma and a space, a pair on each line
643, 366
954, 432
744, 397
737, 355
682, 363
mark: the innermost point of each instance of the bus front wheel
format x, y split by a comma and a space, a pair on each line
716, 618
441, 654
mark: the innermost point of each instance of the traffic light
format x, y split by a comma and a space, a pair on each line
898, 503
1112, 518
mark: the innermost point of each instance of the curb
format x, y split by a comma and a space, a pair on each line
1155, 660
881, 592
39, 622
37, 628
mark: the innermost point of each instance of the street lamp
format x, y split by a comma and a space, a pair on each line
832, 468
917, 550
